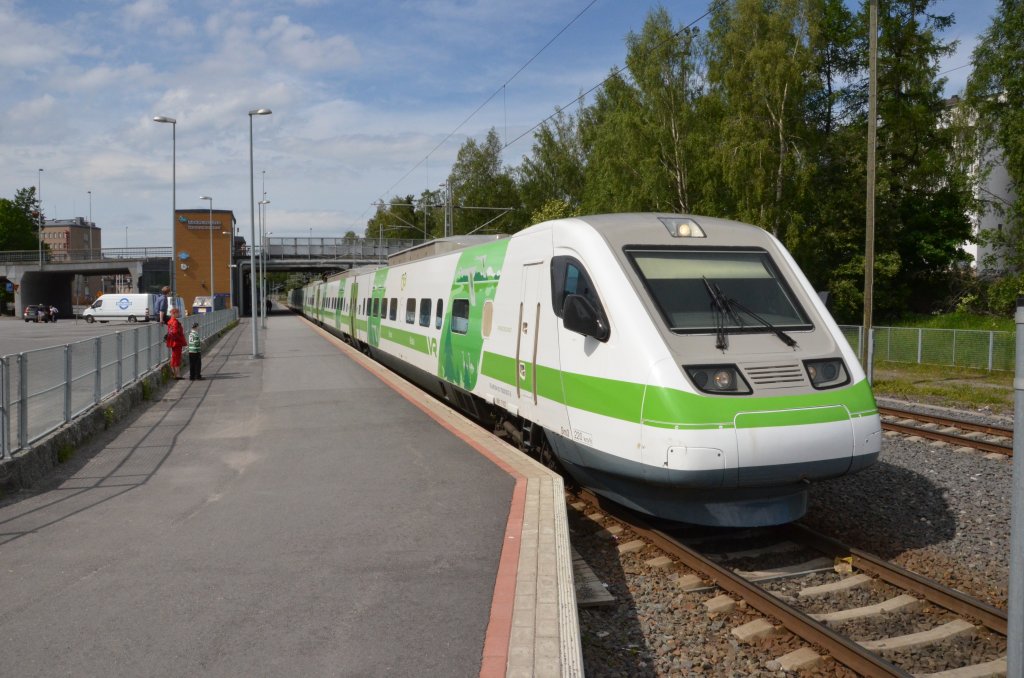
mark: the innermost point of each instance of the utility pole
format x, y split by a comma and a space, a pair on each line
869, 237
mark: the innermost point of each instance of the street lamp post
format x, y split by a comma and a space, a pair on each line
39, 196
231, 265
263, 261
252, 234
91, 235
174, 193
213, 291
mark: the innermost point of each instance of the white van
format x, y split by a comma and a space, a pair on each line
130, 307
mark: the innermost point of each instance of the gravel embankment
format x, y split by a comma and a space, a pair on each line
937, 511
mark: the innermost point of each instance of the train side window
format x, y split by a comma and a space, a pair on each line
425, 312
410, 311
569, 277
393, 313
439, 318
376, 307
460, 316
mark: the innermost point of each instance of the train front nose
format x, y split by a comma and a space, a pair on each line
791, 446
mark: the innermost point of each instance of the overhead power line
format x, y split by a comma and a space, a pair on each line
489, 98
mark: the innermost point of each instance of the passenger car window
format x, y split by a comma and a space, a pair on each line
393, 313
410, 311
425, 312
460, 316
439, 319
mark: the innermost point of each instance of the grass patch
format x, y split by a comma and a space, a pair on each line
65, 452
957, 321
947, 386
108, 417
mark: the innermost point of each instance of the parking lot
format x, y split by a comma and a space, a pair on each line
17, 336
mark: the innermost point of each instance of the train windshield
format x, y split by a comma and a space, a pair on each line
713, 290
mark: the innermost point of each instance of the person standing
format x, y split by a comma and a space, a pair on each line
175, 342
195, 354
163, 305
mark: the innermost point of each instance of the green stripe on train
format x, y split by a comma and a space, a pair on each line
670, 408
417, 342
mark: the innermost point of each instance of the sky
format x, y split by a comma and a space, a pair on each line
368, 99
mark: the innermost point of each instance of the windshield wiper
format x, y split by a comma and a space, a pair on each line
720, 308
730, 304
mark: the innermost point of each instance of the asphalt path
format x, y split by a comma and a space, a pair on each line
290, 516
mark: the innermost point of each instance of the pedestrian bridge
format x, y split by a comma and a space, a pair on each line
35, 276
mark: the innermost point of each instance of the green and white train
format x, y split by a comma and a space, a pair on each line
680, 365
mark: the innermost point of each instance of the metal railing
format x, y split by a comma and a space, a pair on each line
68, 256
971, 349
44, 389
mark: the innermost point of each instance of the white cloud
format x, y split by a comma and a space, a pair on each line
299, 45
144, 12
33, 110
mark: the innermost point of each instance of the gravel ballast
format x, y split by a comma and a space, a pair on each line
933, 509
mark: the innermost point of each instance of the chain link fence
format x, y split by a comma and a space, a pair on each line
971, 349
44, 389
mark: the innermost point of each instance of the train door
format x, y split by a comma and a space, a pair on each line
353, 299
538, 386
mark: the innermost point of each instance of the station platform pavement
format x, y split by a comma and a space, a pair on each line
304, 514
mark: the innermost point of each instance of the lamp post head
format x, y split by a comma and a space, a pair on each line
164, 118
260, 111
206, 197
264, 202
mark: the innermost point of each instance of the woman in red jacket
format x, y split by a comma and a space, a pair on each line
175, 341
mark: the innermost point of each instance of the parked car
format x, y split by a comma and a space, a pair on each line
37, 312
130, 307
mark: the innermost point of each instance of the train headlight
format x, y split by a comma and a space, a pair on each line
718, 379
682, 227
828, 373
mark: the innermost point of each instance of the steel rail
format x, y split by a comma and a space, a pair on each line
945, 421
949, 438
844, 650
944, 596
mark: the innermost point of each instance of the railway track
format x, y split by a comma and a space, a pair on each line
952, 431
877, 620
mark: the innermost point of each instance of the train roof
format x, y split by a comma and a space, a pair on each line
655, 228
441, 246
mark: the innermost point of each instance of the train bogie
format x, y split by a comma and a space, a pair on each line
680, 365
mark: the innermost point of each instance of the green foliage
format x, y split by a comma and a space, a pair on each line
553, 209
65, 452
147, 390
762, 119
18, 231
109, 417
555, 169
1003, 293
958, 320
479, 180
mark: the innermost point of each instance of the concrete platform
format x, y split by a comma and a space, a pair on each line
291, 515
